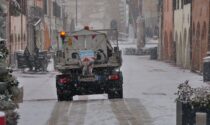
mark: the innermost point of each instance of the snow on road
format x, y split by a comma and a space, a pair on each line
100, 112
39, 96
149, 88
155, 84
35, 112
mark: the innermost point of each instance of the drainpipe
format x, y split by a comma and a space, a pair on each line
9, 32
191, 38
21, 27
160, 30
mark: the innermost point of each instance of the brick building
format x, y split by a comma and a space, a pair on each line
167, 32
200, 32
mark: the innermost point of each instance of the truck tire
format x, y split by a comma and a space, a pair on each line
60, 97
118, 94
65, 97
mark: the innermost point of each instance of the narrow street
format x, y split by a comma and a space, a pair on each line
164, 64
149, 97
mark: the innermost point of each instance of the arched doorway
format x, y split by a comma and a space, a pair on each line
166, 46
172, 48
197, 48
175, 47
204, 40
204, 45
184, 49
180, 50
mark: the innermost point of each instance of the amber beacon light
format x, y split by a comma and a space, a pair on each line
63, 35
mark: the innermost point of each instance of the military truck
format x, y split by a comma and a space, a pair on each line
89, 64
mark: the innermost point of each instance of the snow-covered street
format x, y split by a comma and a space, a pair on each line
155, 83
104, 62
149, 88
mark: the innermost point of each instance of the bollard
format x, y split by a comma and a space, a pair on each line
201, 118
153, 53
206, 69
179, 113
2, 118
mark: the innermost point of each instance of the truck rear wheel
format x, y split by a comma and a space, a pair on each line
116, 93
65, 97
60, 97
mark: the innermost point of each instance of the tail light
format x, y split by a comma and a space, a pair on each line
64, 80
114, 77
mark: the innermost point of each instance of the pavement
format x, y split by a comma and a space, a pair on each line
99, 112
149, 97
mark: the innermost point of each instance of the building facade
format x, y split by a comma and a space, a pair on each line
135, 10
18, 37
167, 32
137, 21
182, 28
46, 21
200, 33
57, 18
150, 10
178, 31
18, 30
187, 27
98, 14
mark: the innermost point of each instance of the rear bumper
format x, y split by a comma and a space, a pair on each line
84, 88
76, 87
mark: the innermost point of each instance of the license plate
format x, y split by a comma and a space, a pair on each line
87, 79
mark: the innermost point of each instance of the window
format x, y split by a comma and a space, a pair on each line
19, 38
15, 38
166, 45
167, 5
174, 4
193, 31
45, 6
24, 37
198, 31
185, 35
177, 4
56, 10
187, 1
182, 2
203, 35
11, 38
